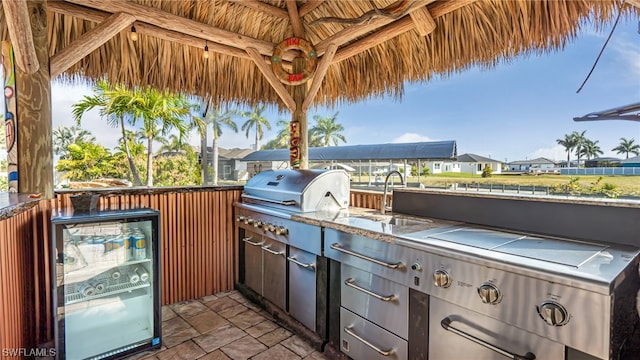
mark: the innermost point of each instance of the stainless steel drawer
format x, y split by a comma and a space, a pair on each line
363, 340
253, 260
302, 286
378, 300
274, 276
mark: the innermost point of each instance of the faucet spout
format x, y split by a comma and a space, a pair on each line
383, 206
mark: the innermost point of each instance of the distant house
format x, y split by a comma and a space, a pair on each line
534, 165
441, 166
230, 166
474, 164
631, 162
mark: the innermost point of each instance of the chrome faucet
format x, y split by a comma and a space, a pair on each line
383, 206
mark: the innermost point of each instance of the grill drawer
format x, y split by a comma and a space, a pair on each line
379, 300
363, 340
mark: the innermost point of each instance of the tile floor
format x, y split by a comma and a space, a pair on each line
225, 326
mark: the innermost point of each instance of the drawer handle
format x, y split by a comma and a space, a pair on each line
446, 324
351, 282
248, 241
266, 248
310, 266
337, 247
377, 349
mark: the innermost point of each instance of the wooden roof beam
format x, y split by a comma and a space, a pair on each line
262, 7
309, 6
423, 21
401, 26
635, 3
294, 18
88, 42
323, 66
98, 16
265, 69
176, 23
16, 15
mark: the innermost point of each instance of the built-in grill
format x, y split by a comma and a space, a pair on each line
280, 259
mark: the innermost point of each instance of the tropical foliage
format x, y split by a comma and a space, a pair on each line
87, 161
255, 120
590, 149
328, 130
64, 136
218, 120
626, 147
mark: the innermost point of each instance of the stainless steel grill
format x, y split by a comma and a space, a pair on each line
280, 259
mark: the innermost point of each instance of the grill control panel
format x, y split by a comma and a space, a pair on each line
266, 226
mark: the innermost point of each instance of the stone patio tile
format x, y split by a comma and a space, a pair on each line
261, 328
173, 326
228, 293
277, 352
188, 308
298, 346
316, 355
216, 355
179, 337
208, 298
243, 348
206, 321
222, 303
274, 337
247, 319
186, 351
167, 313
215, 339
232, 311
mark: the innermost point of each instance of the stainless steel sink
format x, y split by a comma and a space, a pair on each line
397, 220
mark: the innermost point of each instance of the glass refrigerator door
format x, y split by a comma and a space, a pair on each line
105, 287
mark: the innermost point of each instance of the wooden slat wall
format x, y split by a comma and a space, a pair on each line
367, 199
198, 256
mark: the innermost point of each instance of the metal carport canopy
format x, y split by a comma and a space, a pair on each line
433, 150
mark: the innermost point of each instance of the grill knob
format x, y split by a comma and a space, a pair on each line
248, 221
240, 218
257, 224
441, 278
281, 230
553, 313
490, 294
271, 227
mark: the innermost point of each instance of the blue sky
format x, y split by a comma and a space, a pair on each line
514, 111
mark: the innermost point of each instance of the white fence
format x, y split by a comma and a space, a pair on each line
601, 171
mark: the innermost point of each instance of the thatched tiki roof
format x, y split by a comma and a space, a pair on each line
364, 48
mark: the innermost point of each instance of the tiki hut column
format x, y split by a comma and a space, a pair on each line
35, 158
299, 144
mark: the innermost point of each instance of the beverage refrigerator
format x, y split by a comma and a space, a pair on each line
106, 284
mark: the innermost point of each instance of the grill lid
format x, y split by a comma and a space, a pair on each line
299, 190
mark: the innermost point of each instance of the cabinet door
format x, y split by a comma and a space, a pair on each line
253, 261
275, 272
302, 286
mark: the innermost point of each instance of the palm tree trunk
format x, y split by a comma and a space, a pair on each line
150, 162
204, 159
132, 165
256, 149
214, 145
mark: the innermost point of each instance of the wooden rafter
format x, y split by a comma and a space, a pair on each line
309, 6
423, 21
272, 79
173, 22
294, 18
17, 18
323, 66
262, 7
394, 29
88, 42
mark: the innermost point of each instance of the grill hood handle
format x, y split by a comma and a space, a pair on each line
279, 202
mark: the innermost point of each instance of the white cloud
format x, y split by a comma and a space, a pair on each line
557, 153
629, 51
411, 137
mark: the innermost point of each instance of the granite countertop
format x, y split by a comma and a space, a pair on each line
12, 204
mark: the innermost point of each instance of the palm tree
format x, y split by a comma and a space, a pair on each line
64, 136
569, 142
174, 144
590, 149
328, 130
580, 140
257, 121
281, 140
161, 112
115, 103
627, 146
217, 118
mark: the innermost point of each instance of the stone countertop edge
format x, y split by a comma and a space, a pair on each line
12, 204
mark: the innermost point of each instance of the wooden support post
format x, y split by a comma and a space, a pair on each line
35, 154
17, 19
299, 144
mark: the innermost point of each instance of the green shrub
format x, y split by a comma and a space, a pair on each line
487, 171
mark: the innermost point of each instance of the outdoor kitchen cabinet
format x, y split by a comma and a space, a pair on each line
106, 285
